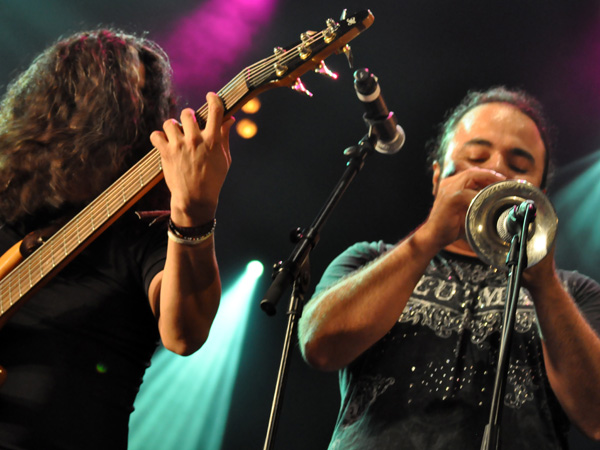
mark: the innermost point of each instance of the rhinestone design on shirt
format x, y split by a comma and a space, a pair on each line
454, 297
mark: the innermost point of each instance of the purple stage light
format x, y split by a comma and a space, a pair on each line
205, 44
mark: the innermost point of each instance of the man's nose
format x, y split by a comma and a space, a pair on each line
498, 163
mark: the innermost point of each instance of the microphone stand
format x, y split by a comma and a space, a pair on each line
295, 271
516, 261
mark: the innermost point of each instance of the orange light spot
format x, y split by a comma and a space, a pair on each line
246, 128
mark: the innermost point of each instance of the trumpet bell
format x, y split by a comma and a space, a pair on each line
491, 206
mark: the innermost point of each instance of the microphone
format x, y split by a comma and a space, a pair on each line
381, 122
510, 221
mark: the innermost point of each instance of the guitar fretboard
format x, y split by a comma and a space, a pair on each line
80, 231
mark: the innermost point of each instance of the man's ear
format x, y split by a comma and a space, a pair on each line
437, 170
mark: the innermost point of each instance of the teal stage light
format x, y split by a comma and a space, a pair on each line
255, 269
184, 401
576, 203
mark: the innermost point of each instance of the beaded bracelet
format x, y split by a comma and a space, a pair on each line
191, 235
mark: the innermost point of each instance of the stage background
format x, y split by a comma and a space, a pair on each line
426, 54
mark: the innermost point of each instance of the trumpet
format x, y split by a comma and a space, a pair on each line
486, 222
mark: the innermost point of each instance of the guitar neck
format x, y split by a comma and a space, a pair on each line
279, 70
79, 232
102, 212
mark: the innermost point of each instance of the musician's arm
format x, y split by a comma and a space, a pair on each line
571, 346
185, 295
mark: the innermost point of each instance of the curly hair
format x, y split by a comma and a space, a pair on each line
527, 104
76, 119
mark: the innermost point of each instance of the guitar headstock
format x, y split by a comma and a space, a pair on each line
287, 64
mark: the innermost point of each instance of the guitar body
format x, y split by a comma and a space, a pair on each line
10, 259
8, 262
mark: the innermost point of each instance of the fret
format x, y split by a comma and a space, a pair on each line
52, 255
107, 208
65, 245
29, 274
41, 267
123, 193
48, 263
141, 181
19, 284
77, 230
92, 221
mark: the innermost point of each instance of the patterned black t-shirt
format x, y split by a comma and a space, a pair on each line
428, 383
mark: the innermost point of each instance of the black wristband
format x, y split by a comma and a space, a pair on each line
200, 232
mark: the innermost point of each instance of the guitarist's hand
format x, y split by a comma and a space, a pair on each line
195, 162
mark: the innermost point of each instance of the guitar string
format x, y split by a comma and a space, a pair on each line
67, 239
67, 243
233, 91
230, 92
265, 70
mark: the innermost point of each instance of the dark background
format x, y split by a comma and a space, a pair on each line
427, 54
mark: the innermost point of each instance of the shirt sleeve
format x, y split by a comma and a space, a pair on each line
353, 258
586, 293
150, 249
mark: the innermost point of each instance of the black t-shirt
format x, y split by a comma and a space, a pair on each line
76, 352
428, 383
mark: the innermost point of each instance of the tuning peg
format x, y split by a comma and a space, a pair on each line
299, 87
304, 50
324, 70
348, 52
280, 68
329, 32
344, 14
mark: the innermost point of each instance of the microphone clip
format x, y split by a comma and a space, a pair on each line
514, 220
380, 128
